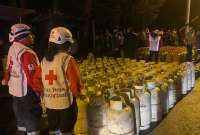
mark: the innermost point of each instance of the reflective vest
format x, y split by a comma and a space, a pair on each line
56, 86
154, 43
18, 80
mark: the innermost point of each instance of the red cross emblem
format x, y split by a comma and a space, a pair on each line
50, 77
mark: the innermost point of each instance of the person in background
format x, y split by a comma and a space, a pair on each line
21, 65
142, 41
175, 37
189, 43
121, 44
108, 42
130, 44
99, 45
116, 43
58, 80
198, 44
154, 45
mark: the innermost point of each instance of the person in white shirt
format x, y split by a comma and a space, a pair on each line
154, 45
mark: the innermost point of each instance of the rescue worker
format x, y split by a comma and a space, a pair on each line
21, 65
58, 78
154, 45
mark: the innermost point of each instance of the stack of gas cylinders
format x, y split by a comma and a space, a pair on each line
166, 53
121, 96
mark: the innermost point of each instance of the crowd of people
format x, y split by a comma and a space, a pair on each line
125, 42
55, 80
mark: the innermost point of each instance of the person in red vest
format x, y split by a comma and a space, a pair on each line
21, 65
58, 79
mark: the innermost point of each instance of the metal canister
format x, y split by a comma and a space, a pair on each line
184, 83
96, 115
81, 126
164, 97
189, 77
193, 73
120, 117
134, 100
171, 93
145, 107
156, 113
177, 81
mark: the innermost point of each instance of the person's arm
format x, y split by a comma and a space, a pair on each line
6, 76
161, 42
29, 65
148, 40
37, 81
73, 76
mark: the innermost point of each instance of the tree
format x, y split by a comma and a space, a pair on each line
125, 13
146, 11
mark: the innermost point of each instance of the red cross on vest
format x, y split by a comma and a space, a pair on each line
50, 77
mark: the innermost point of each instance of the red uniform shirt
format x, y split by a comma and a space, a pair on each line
29, 64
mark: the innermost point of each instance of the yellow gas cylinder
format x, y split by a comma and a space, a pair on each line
81, 126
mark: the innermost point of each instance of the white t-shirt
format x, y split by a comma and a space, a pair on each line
154, 43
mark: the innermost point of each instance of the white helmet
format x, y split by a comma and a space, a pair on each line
19, 31
60, 35
156, 31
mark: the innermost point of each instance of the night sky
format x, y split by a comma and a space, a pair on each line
172, 14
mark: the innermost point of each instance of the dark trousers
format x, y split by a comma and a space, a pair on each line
63, 119
189, 53
153, 56
28, 111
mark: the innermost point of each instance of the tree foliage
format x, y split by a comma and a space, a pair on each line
148, 10
137, 13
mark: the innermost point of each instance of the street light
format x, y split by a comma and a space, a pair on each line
188, 33
187, 22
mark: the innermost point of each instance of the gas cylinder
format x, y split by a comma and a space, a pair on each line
177, 81
193, 73
164, 97
120, 117
96, 115
184, 83
156, 113
189, 76
81, 126
145, 107
134, 100
171, 93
